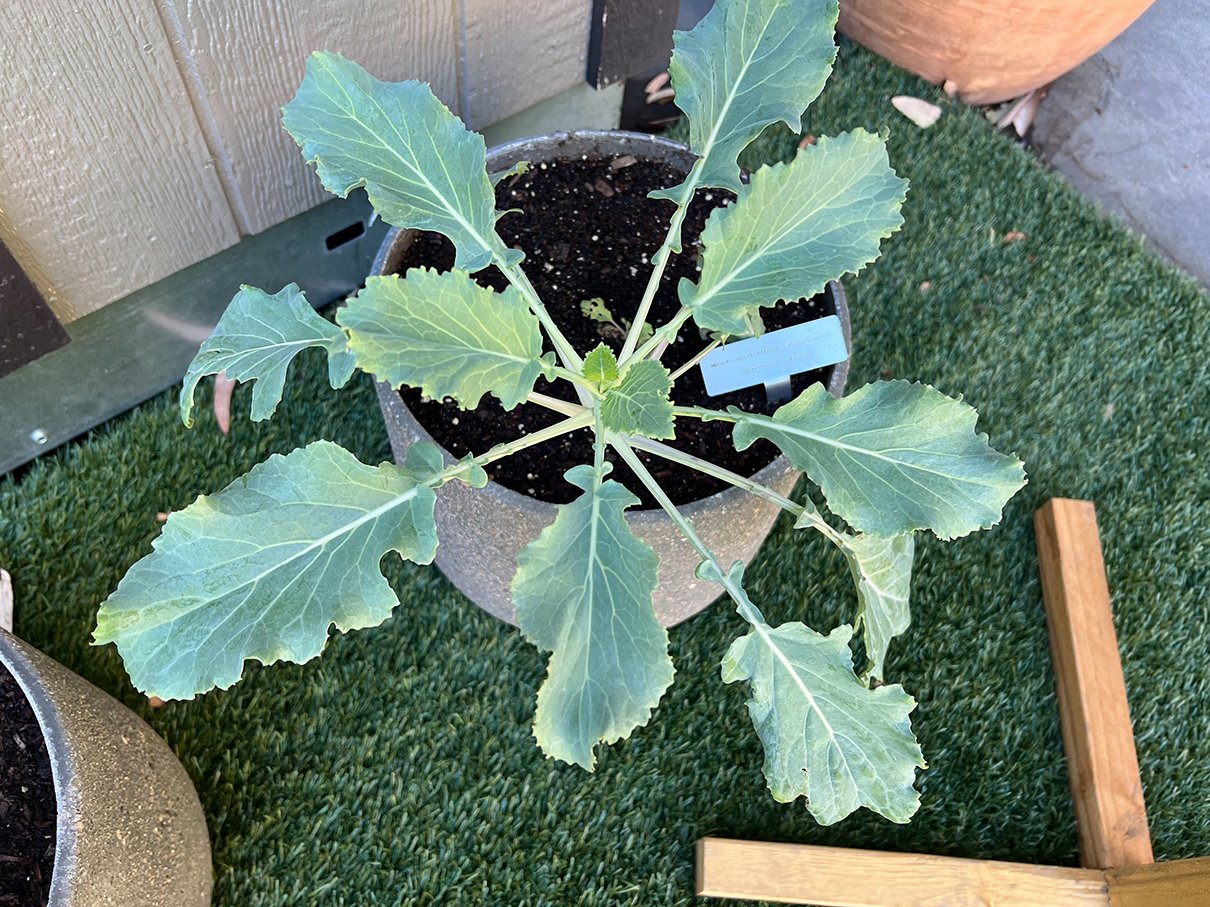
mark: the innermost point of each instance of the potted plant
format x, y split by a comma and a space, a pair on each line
125, 825
483, 531
264, 568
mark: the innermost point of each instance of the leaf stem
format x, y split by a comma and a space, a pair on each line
574, 377
660, 260
805, 510
713, 345
581, 420
706, 415
745, 608
554, 403
567, 353
664, 335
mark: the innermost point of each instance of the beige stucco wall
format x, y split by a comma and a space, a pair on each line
138, 137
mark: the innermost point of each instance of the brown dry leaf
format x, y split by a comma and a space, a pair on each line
223, 387
1020, 114
806, 141
661, 96
657, 82
155, 702
921, 112
603, 187
1013, 236
161, 517
6, 601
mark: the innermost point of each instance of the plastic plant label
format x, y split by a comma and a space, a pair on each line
777, 354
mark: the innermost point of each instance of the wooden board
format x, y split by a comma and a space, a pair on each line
1179, 883
106, 182
1095, 716
843, 877
519, 52
28, 329
244, 59
629, 37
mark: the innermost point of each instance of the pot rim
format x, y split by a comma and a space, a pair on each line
506, 155
23, 669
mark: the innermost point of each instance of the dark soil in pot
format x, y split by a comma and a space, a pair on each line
27, 802
589, 230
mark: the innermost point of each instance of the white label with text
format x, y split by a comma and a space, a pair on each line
777, 354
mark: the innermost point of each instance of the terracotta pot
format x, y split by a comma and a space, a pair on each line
991, 51
483, 530
130, 831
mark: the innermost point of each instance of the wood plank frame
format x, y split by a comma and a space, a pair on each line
1106, 786
1095, 717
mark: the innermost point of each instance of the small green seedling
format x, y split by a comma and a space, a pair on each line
595, 310
263, 569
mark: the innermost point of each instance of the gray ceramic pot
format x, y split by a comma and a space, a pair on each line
483, 530
130, 830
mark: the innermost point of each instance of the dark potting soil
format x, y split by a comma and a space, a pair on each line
27, 802
589, 230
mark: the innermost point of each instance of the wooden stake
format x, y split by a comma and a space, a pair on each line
6, 601
1094, 713
845, 877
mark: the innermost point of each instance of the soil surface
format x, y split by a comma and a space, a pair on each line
588, 231
27, 802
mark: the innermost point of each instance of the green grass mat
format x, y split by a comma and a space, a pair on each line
399, 767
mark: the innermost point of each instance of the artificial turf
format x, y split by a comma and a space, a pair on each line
399, 767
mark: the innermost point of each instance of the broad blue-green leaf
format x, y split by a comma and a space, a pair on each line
639, 405
827, 736
882, 572
892, 457
256, 340
445, 334
601, 367
583, 592
794, 228
420, 166
262, 569
747, 65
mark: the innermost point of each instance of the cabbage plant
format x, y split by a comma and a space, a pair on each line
263, 569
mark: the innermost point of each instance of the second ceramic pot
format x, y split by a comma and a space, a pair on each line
130, 831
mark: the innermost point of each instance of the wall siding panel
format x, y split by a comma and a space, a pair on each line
106, 182
519, 52
247, 59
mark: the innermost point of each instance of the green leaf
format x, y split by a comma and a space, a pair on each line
583, 591
595, 310
827, 736
797, 226
256, 340
420, 166
445, 334
748, 64
892, 457
515, 170
639, 405
262, 569
882, 572
601, 367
